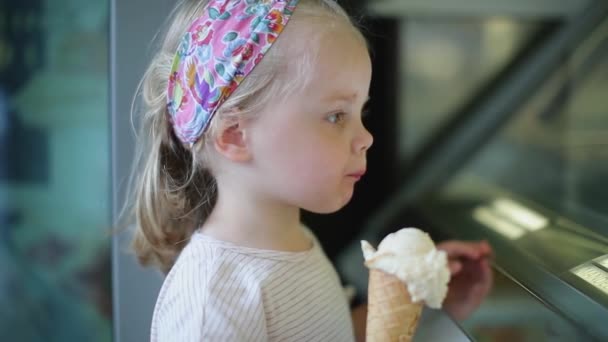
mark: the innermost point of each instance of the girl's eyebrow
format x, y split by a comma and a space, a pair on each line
346, 98
341, 97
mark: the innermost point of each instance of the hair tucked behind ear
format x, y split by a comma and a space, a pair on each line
172, 189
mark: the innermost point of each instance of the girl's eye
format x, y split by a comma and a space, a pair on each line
336, 118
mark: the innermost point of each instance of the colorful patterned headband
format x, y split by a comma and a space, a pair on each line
219, 50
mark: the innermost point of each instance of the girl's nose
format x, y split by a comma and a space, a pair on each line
363, 141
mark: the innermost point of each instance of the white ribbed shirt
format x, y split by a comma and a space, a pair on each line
218, 291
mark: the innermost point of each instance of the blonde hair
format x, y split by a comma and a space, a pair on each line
172, 189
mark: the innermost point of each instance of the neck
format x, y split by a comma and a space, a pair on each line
244, 219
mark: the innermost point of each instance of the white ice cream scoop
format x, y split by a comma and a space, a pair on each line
410, 255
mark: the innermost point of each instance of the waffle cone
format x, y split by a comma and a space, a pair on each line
391, 314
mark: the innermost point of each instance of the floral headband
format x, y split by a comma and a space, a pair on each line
219, 50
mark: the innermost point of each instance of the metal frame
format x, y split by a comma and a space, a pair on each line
134, 289
518, 8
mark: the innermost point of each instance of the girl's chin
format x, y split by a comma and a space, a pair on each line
332, 206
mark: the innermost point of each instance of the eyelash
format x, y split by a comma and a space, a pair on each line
339, 117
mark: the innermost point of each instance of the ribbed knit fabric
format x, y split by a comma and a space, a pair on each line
217, 291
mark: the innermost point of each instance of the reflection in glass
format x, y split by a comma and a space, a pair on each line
553, 152
512, 314
445, 62
550, 164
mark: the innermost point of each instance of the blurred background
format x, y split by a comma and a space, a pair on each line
55, 278
490, 121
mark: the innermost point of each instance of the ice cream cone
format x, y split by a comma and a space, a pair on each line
391, 314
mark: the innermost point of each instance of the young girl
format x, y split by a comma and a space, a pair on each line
252, 111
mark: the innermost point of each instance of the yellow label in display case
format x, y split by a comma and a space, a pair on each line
603, 261
593, 275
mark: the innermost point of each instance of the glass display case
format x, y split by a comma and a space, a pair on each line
444, 61
536, 190
516, 154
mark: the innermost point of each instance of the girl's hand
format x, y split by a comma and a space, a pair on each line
471, 276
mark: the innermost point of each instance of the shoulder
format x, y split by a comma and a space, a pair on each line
205, 271
206, 288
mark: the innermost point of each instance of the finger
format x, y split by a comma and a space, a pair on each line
485, 248
455, 267
486, 276
487, 267
479, 292
459, 249
484, 265
484, 286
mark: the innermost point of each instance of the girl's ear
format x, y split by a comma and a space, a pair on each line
231, 141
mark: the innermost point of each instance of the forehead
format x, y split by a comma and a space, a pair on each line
341, 62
